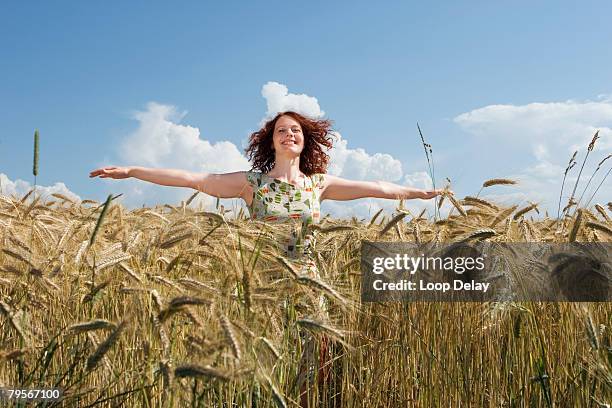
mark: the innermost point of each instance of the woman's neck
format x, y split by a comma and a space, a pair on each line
288, 169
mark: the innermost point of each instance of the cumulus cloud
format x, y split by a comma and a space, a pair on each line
570, 124
419, 179
360, 165
278, 99
542, 136
162, 141
19, 188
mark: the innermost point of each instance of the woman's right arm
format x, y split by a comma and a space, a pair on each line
226, 185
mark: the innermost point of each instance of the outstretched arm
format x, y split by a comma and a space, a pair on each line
227, 185
336, 188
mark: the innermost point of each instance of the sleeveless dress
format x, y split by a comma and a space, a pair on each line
297, 208
293, 209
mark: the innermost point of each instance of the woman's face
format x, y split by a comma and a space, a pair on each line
288, 138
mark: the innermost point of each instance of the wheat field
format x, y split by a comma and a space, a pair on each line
173, 306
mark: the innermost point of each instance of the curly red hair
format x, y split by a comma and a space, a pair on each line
312, 159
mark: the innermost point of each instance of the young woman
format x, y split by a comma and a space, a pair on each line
287, 188
291, 180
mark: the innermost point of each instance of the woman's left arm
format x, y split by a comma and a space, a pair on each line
336, 188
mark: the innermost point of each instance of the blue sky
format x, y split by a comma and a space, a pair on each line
79, 71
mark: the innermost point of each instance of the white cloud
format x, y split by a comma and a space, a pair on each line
540, 151
278, 99
161, 141
360, 165
419, 179
570, 124
551, 132
19, 188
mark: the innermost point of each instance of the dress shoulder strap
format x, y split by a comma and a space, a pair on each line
317, 180
254, 178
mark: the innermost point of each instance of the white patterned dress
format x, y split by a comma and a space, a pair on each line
296, 207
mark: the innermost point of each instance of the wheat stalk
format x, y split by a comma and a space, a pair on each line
479, 235
319, 327
197, 285
94, 291
278, 398
100, 219
592, 176
96, 324
602, 211
335, 228
9, 314
391, 223
456, 204
193, 370
315, 283
285, 262
169, 243
130, 272
599, 226
165, 366
112, 260
80, 252
589, 150
181, 301
12, 354
190, 199
105, 346
576, 226
525, 210
599, 186
502, 215
497, 182
375, 217
36, 149
270, 347
475, 201
230, 336
19, 257
165, 281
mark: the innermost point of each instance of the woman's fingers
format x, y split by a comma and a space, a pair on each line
433, 193
98, 172
108, 172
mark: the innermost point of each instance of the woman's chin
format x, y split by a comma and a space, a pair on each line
292, 148
291, 152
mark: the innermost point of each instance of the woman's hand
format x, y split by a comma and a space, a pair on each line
111, 172
428, 194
